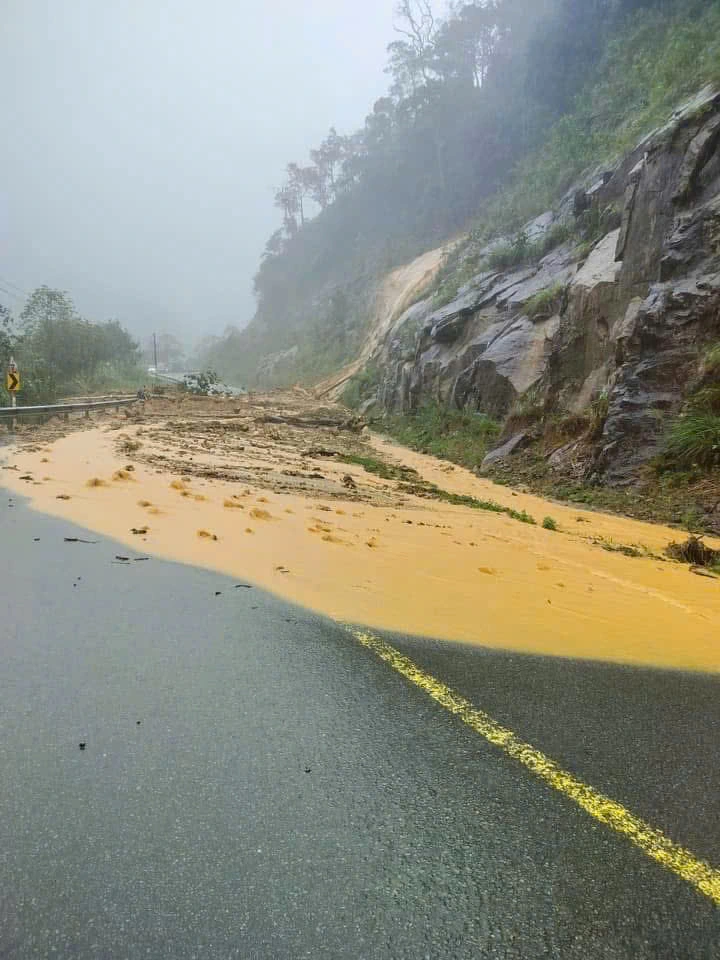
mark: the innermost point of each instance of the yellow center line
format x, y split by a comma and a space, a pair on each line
652, 842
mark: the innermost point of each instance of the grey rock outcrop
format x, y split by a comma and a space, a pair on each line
631, 320
480, 350
511, 446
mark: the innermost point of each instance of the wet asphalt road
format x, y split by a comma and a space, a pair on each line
257, 785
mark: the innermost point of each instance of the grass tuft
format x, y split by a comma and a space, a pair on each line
431, 492
546, 303
694, 440
459, 436
378, 467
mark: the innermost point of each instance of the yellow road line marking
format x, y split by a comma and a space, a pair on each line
652, 842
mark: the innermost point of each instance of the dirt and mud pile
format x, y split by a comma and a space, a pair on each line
285, 442
297, 496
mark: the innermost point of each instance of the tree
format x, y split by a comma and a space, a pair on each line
567, 45
57, 349
328, 159
298, 185
6, 343
411, 58
354, 158
380, 124
316, 185
465, 44
116, 345
286, 199
275, 245
45, 307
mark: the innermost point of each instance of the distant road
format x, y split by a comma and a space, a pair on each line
258, 784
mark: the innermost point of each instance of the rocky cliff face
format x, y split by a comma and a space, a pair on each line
625, 323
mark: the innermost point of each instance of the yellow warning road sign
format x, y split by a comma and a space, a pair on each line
13, 380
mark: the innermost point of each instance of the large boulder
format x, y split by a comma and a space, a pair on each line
513, 445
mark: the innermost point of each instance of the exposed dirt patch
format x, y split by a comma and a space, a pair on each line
285, 443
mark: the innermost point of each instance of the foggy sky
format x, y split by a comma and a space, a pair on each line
143, 139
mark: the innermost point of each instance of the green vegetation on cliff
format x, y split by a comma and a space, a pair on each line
661, 54
459, 436
693, 440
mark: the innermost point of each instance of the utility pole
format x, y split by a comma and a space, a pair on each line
155, 351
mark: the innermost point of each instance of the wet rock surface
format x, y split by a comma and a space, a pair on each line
511, 446
637, 312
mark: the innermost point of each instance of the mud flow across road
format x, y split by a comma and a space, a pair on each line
299, 497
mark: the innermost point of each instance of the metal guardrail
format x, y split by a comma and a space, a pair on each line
52, 409
86, 398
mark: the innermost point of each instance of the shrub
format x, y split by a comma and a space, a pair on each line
522, 251
694, 439
546, 302
584, 249
378, 467
529, 405
502, 257
522, 515
460, 436
527, 410
555, 237
456, 274
706, 401
549, 524
712, 358
692, 519
600, 408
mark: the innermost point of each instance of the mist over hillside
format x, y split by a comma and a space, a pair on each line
492, 112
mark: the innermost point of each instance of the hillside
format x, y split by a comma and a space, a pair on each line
591, 360
492, 115
576, 317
